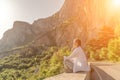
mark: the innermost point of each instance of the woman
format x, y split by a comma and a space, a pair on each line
77, 60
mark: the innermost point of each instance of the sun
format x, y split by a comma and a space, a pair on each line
113, 7
116, 4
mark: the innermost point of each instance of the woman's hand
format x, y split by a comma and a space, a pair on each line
65, 58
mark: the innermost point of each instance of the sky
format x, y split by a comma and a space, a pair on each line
25, 10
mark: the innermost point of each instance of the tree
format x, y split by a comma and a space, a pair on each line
98, 45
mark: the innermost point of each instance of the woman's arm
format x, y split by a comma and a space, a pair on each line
73, 54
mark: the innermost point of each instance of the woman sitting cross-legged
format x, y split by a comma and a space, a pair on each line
77, 60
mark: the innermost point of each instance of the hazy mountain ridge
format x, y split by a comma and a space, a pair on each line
22, 33
75, 19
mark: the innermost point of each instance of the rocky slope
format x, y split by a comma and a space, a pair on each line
23, 33
77, 18
16, 36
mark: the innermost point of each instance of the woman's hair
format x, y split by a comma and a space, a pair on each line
78, 41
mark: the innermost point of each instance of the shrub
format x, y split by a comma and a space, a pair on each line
114, 50
97, 49
54, 64
36, 65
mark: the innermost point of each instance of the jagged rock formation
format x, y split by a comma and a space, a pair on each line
16, 36
77, 18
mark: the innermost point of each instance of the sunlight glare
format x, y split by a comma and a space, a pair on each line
116, 4
6, 12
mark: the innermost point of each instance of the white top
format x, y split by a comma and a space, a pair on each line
79, 60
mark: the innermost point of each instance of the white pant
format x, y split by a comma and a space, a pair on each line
68, 65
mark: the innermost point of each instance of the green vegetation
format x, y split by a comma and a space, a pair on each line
33, 63
52, 63
106, 47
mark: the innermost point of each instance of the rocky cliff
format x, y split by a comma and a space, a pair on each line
76, 19
20, 34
